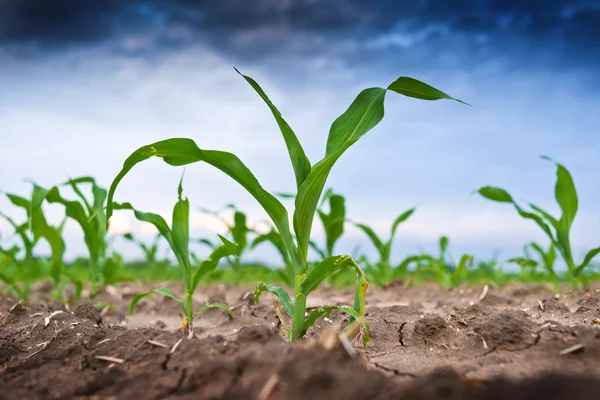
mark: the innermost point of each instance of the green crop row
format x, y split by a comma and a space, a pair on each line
299, 275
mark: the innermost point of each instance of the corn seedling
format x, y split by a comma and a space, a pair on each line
30, 232
150, 250
178, 238
91, 218
446, 273
382, 269
364, 113
239, 232
557, 230
529, 265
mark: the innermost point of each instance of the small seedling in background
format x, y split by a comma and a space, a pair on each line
30, 232
529, 265
91, 218
150, 250
332, 221
364, 113
178, 237
287, 273
557, 230
382, 269
239, 232
440, 269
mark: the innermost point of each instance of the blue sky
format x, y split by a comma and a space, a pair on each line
86, 83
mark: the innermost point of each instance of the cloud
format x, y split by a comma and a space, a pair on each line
289, 28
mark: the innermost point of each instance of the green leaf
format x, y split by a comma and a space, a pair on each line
377, 242
334, 225
324, 269
274, 238
411, 87
401, 218
162, 291
215, 305
278, 291
300, 162
180, 231
155, 219
495, 194
459, 273
587, 259
179, 152
566, 195
325, 311
523, 262
240, 231
363, 114
210, 264
443, 246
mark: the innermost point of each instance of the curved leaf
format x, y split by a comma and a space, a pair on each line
363, 114
587, 260
377, 242
162, 291
495, 194
323, 270
278, 291
180, 152
325, 311
155, 219
215, 305
300, 161
400, 219
419, 90
210, 264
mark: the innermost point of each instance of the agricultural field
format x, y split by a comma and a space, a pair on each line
326, 322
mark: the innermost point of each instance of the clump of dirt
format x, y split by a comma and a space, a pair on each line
427, 343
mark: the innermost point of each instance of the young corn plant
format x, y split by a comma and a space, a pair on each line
150, 250
440, 269
30, 232
382, 271
178, 237
239, 232
529, 265
91, 217
363, 114
558, 230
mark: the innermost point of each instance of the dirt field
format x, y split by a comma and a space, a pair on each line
520, 342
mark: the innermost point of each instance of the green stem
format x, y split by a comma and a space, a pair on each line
299, 308
189, 312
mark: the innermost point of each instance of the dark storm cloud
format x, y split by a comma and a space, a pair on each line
260, 25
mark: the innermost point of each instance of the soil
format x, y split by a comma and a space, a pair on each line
517, 342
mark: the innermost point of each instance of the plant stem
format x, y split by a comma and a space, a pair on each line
299, 308
189, 313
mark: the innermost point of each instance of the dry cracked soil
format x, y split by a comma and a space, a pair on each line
517, 342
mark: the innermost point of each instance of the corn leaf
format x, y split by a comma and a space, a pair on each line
587, 260
155, 219
162, 291
178, 152
215, 305
325, 311
300, 161
278, 291
180, 232
411, 87
210, 264
324, 269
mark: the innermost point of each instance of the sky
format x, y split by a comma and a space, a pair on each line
84, 84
